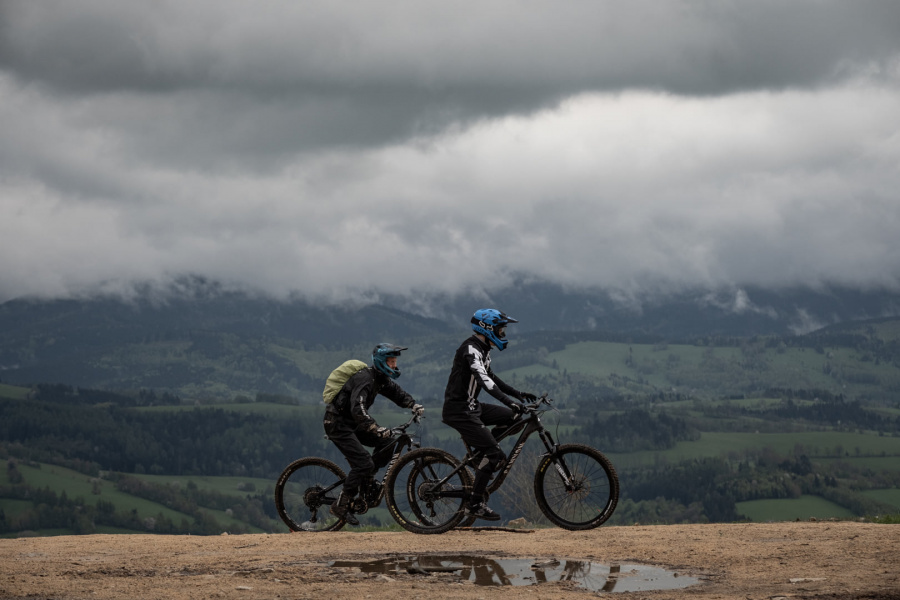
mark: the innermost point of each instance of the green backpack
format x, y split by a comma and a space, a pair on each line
339, 377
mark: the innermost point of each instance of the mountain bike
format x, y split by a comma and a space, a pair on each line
576, 486
309, 486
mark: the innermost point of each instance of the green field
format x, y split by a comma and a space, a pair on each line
889, 496
712, 371
13, 392
802, 508
231, 486
92, 490
78, 485
875, 463
820, 445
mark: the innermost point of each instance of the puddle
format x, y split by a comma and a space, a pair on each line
489, 571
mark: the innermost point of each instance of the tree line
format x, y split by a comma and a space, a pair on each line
207, 441
635, 430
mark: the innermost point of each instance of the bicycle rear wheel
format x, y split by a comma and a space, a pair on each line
589, 497
413, 499
305, 492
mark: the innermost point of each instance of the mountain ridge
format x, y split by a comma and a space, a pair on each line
223, 340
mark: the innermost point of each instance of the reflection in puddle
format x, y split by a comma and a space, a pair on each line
516, 571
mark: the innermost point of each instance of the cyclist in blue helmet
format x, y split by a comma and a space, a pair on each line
471, 373
350, 427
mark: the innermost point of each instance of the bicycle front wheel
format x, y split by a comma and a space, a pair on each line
416, 498
576, 487
305, 492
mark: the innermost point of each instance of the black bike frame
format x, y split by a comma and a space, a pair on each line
404, 440
533, 424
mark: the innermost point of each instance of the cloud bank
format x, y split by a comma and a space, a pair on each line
332, 148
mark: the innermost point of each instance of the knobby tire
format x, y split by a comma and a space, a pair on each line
594, 494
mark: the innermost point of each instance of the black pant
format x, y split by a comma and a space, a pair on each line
473, 427
352, 445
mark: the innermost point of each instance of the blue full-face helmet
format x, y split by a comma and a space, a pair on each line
491, 323
380, 355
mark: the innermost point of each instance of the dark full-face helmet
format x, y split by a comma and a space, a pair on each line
491, 323
380, 355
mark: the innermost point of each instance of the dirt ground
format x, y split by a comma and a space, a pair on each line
746, 561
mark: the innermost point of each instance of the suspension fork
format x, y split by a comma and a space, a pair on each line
558, 463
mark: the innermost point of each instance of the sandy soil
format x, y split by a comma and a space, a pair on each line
746, 561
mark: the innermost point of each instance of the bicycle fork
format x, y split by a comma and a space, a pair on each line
559, 463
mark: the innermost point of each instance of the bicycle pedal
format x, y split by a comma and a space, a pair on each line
359, 506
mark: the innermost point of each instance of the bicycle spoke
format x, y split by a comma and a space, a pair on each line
589, 495
305, 492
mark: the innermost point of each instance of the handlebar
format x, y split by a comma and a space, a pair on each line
401, 428
533, 407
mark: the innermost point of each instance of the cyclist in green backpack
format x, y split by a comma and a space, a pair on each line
350, 427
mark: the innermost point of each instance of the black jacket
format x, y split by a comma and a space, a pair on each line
355, 399
471, 373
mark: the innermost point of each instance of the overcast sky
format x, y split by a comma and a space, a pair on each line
328, 148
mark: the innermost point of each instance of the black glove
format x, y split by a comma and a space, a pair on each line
527, 397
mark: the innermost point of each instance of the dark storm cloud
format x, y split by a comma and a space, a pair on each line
337, 73
499, 49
